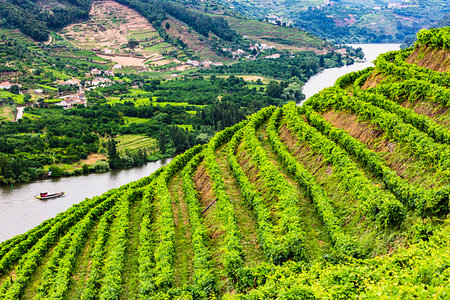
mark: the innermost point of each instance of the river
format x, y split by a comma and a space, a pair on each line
20, 211
327, 77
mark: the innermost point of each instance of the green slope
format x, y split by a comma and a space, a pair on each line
344, 197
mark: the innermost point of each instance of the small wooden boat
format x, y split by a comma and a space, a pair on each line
45, 195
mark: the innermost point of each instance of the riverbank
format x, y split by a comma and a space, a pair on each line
328, 77
20, 211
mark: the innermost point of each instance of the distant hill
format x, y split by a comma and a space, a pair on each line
350, 21
344, 197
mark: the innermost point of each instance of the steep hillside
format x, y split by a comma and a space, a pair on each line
346, 196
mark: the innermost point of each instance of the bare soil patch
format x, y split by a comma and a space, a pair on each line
92, 158
374, 79
364, 132
430, 58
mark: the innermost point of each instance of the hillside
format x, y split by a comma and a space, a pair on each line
346, 196
351, 21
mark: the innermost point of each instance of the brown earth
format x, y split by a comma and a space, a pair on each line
92, 158
374, 79
364, 132
430, 58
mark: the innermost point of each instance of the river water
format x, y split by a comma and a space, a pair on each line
327, 77
20, 211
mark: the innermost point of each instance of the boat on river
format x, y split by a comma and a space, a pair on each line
45, 195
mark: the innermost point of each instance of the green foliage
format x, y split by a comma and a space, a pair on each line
437, 38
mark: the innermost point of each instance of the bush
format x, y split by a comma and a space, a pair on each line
101, 166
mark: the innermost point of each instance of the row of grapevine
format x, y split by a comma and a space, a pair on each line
438, 132
350, 78
266, 231
413, 197
382, 206
204, 280
341, 241
437, 38
92, 286
17, 250
233, 253
415, 90
111, 284
393, 63
421, 144
77, 221
74, 239
30, 261
147, 240
290, 235
156, 275
13, 249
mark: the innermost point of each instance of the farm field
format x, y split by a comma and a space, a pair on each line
343, 197
110, 28
133, 142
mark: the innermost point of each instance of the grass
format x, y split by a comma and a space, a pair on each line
186, 127
7, 113
18, 99
47, 87
130, 284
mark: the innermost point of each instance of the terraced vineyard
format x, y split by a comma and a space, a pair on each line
346, 196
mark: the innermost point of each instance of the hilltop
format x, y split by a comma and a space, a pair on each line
346, 196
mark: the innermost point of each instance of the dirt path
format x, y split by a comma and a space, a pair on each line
246, 220
184, 255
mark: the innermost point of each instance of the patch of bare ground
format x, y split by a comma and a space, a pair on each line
252, 172
184, 255
245, 218
366, 133
430, 58
438, 113
92, 158
374, 79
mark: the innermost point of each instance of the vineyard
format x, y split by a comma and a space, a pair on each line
345, 196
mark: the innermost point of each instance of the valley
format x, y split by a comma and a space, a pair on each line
205, 154
345, 196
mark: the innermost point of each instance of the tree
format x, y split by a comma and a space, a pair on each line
27, 98
132, 44
167, 25
274, 90
114, 160
321, 62
162, 141
14, 89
